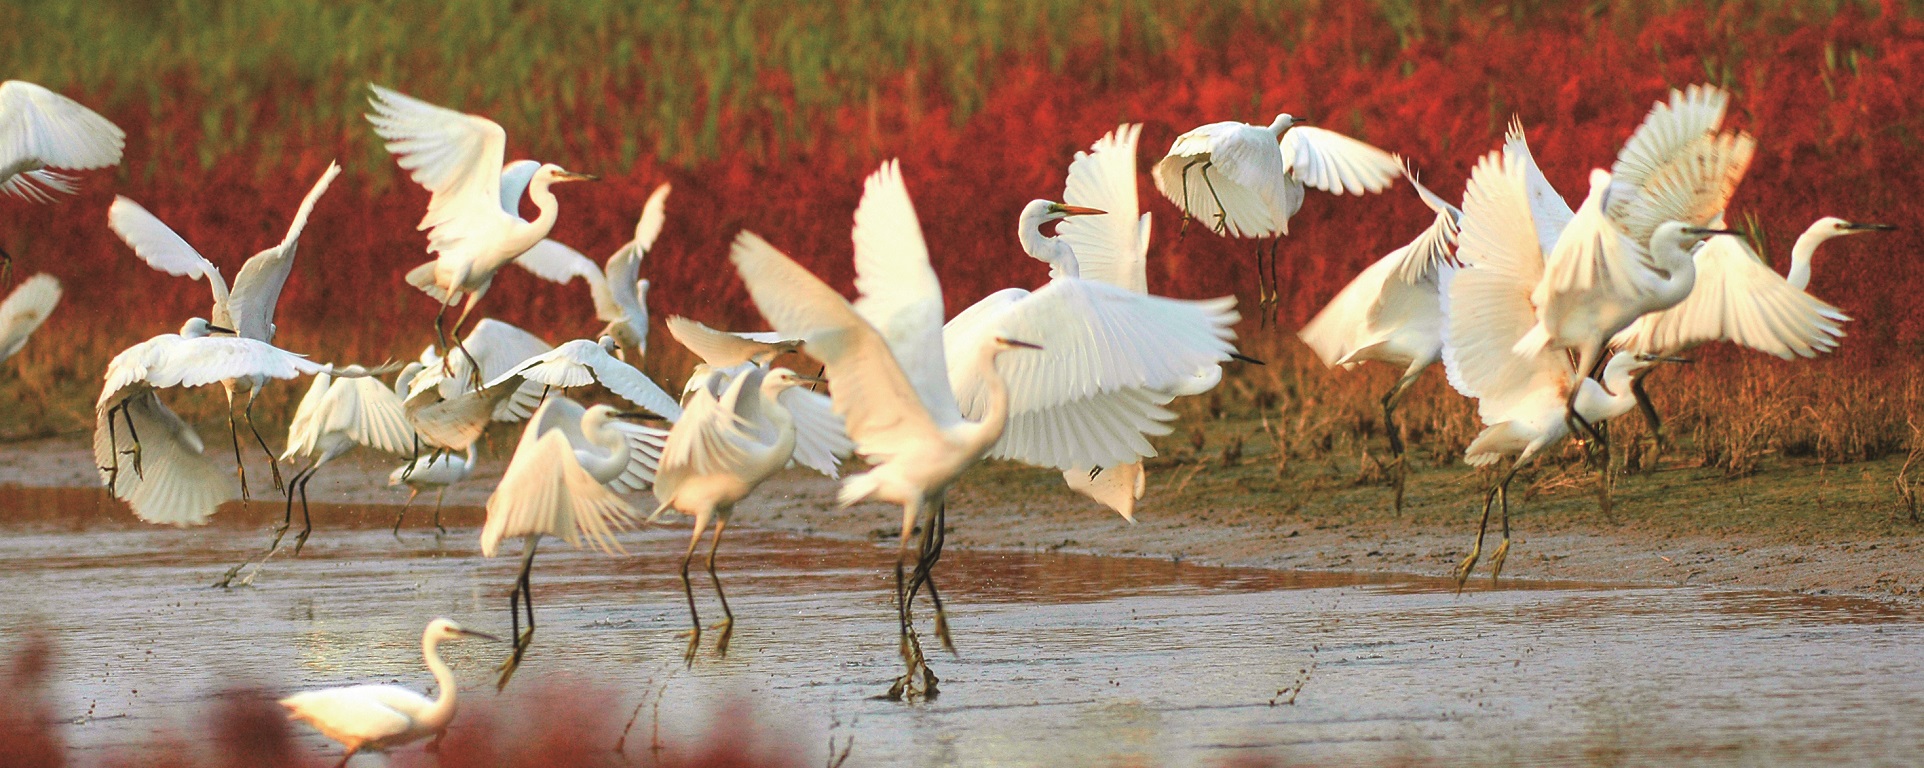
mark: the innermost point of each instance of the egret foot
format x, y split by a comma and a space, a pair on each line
514, 661
1468, 564
942, 631
1398, 468
227, 579
1496, 559
300, 540
727, 627
694, 644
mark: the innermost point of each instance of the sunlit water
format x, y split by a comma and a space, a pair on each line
1064, 659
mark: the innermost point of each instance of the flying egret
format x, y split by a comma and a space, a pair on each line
1260, 176
1739, 298
1520, 398
437, 471
459, 158
1393, 313
620, 295
885, 364
380, 717
448, 411
725, 349
172, 481
334, 417
738, 430
247, 308
24, 310
581, 362
1626, 250
39, 130
565, 480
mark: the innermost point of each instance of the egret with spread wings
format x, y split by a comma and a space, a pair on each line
620, 295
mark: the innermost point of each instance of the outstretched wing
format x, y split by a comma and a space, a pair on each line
1693, 186
557, 263
1667, 130
721, 349
581, 362
1113, 247
158, 245
899, 295
257, 289
1548, 210
1231, 170
457, 157
1740, 299
821, 441
710, 439
176, 483
41, 129
1334, 163
545, 490
24, 310
1435, 248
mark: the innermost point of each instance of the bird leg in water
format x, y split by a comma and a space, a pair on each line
273, 462
1391, 399
1502, 548
727, 625
233, 431
438, 496
412, 492
1650, 417
307, 520
287, 522
1476, 549
931, 553
910, 645
688, 588
523, 590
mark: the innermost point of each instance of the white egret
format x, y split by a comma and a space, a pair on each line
884, 360
24, 310
438, 471
448, 411
459, 158
620, 295
375, 718
1260, 176
565, 480
581, 362
738, 430
1520, 398
336, 416
1740, 299
247, 308
726, 349
1393, 313
40, 130
173, 482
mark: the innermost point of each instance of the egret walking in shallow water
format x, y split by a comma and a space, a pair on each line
24, 310
459, 158
41, 130
884, 360
437, 471
1248, 181
375, 718
247, 308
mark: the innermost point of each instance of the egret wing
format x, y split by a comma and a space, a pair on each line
176, 483
1693, 186
1489, 300
558, 263
821, 440
1549, 212
349, 714
457, 157
257, 289
1118, 488
1103, 429
24, 310
1740, 299
710, 439
1690, 116
899, 295
1435, 248
720, 349
158, 245
515, 178
303, 433
1194, 173
545, 490
1112, 247
40, 128
581, 362
369, 414
1334, 163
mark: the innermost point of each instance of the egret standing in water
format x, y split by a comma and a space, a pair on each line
375, 718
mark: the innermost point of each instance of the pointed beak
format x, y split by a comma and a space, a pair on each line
218, 329
1298, 120
482, 635
1245, 358
1702, 232
811, 380
572, 176
1014, 343
1665, 359
1853, 226
635, 415
1077, 210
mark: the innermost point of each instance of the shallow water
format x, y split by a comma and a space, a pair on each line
1064, 658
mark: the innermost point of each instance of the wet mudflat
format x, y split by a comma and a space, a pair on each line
1064, 658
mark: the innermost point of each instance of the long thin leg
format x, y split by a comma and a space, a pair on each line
1392, 399
727, 625
438, 496
1222, 212
412, 492
134, 435
1476, 550
1275, 292
474, 366
233, 431
932, 540
113, 452
1650, 417
910, 647
523, 594
273, 462
307, 520
1503, 548
688, 588
441, 337
1262, 293
1183, 230
287, 522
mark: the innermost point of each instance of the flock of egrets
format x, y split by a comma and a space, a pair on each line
1550, 317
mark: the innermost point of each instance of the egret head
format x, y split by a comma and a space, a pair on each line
1285, 121
555, 174
198, 327
1683, 236
782, 378
608, 344
641, 288
1831, 226
446, 629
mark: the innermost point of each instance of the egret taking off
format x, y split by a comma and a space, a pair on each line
885, 365
375, 718
1248, 180
24, 310
459, 158
247, 308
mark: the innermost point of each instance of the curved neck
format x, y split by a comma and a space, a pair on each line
524, 234
1803, 252
468, 465
985, 431
1041, 247
442, 710
783, 420
604, 468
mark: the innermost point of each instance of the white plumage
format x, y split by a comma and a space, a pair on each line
24, 310
375, 718
335, 416
1260, 172
581, 362
620, 295
725, 349
40, 129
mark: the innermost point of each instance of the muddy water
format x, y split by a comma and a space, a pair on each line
1064, 659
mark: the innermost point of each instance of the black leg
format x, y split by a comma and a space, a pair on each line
240, 464
133, 434
727, 625
412, 492
307, 520
273, 462
688, 588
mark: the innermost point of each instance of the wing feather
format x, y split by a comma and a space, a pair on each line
1337, 164
1112, 247
24, 310
257, 289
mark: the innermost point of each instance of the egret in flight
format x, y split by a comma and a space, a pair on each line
376, 718
740, 427
247, 308
472, 234
1248, 180
1520, 398
448, 411
581, 362
725, 349
620, 295
884, 360
41, 130
1739, 298
24, 310
1393, 313
565, 480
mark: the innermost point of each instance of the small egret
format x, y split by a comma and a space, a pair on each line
376, 718
459, 158
173, 482
725, 349
1260, 176
247, 308
565, 480
581, 362
24, 310
1740, 299
885, 364
437, 471
1393, 313
1520, 398
737, 431
619, 293
448, 411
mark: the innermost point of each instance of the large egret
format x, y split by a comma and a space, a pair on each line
336, 416
565, 480
1520, 398
172, 481
459, 158
247, 308
739, 429
620, 295
1740, 299
24, 310
1393, 313
375, 718
884, 360
41, 130
1260, 174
